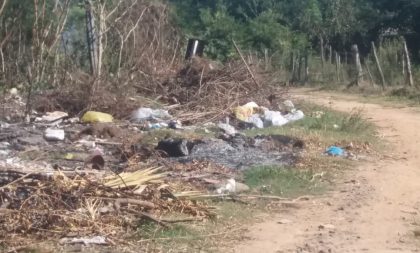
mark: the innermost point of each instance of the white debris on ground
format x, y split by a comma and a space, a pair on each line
261, 117
54, 134
146, 114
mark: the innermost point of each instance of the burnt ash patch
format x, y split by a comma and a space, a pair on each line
237, 152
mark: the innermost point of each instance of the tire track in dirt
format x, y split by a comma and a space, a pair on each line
373, 209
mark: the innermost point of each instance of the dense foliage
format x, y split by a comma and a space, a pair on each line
284, 25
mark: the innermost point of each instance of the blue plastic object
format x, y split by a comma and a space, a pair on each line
335, 151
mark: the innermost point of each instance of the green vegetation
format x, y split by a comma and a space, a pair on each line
309, 41
286, 182
326, 126
193, 237
302, 40
287, 25
411, 95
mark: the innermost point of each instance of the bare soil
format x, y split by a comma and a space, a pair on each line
374, 208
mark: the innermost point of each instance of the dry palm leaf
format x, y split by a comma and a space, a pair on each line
135, 179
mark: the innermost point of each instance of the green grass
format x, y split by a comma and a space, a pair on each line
152, 231
329, 128
408, 94
286, 182
314, 177
198, 236
318, 130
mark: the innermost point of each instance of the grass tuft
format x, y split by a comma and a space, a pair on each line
283, 181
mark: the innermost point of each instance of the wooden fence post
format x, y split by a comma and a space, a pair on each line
408, 64
337, 65
358, 64
378, 65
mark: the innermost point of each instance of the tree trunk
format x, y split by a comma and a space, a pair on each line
403, 63
101, 37
322, 52
306, 67
92, 38
331, 53
337, 66
266, 59
408, 64
300, 63
378, 65
358, 65
292, 67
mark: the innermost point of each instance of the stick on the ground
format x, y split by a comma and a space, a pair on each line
142, 203
246, 64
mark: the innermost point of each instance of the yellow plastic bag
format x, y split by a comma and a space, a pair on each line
93, 117
244, 112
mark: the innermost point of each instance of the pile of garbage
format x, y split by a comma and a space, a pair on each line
202, 91
261, 117
93, 179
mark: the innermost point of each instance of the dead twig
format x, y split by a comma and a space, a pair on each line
246, 64
141, 203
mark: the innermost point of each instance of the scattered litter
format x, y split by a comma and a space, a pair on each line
335, 151
95, 117
326, 226
229, 187
261, 117
175, 124
157, 125
336, 126
13, 91
73, 120
144, 114
289, 105
52, 117
97, 240
274, 118
69, 156
4, 124
317, 114
4, 153
244, 112
285, 221
228, 129
54, 134
256, 121
294, 116
4, 145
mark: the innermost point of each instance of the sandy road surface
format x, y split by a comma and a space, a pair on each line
374, 209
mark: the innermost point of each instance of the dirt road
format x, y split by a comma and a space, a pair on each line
374, 209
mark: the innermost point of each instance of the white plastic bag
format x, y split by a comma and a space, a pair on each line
274, 118
295, 116
143, 114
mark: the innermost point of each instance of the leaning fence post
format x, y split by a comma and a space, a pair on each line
378, 65
407, 59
